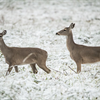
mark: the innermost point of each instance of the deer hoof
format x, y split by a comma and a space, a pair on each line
35, 72
49, 71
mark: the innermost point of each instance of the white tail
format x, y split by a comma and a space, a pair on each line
19, 56
79, 53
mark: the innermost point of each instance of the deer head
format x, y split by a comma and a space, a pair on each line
1, 35
66, 31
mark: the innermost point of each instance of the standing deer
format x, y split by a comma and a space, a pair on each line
19, 56
79, 53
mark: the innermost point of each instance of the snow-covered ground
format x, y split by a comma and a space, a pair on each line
33, 23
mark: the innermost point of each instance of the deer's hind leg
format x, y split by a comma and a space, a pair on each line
35, 71
16, 68
42, 65
41, 62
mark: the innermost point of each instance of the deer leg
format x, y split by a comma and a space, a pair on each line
35, 71
9, 70
78, 67
43, 66
16, 68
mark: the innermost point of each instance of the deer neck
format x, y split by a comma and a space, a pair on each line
4, 48
70, 42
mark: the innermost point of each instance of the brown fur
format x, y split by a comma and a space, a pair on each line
19, 56
79, 53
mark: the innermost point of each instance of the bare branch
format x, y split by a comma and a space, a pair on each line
72, 69
96, 73
58, 71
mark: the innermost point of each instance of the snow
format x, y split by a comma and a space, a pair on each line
34, 23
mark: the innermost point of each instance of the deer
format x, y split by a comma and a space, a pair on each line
15, 56
81, 54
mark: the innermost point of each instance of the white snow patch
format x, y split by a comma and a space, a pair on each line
34, 23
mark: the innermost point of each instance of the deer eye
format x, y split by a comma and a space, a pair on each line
64, 29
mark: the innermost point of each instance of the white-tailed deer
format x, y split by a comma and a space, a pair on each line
19, 56
79, 53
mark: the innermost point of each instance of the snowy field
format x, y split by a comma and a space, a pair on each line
34, 23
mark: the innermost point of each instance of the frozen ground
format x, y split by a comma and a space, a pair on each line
33, 23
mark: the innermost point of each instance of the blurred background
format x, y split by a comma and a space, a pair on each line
34, 23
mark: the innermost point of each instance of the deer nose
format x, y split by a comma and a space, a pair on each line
57, 33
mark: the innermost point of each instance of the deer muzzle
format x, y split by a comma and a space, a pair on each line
57, 33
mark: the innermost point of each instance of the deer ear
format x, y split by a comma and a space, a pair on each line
72, 25
4, 32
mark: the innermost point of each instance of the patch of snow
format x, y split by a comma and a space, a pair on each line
34, 23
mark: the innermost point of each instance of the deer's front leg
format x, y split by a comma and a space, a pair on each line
9, 70
78, 67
